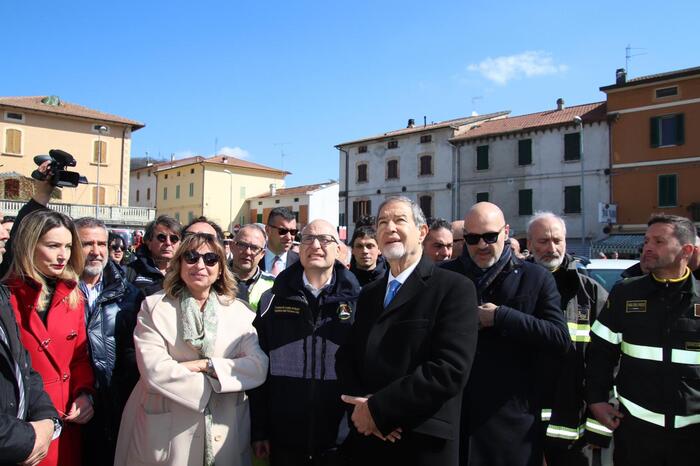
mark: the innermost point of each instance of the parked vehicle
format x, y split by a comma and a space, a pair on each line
607, 272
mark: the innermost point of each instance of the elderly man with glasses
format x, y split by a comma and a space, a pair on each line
296, 415
281, 229
522, 327
247, 249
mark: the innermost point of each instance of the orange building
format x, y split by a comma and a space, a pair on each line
655, 146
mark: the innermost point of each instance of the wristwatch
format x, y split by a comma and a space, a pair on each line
57, 427
211, 372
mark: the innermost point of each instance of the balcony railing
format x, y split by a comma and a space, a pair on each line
112, 215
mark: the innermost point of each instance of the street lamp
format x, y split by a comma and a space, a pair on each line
230, 198
578, 121
100, 131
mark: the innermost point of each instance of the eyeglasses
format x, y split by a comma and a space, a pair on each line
243, 246
192, 257
283, 231
489, 237
162, 237
323, 240
116, 247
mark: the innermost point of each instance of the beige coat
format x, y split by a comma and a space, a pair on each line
163, 421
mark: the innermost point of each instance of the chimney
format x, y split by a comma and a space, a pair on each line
273, 189
620, 76
411, 123
560, 104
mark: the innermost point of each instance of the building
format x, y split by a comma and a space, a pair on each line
417, 161
142, 181
217, 187
100, 143
308, 202
534, 162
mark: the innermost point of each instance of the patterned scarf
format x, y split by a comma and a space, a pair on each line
199, 332
483, 278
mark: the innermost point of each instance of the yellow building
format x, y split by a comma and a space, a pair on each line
32, 126
217, 187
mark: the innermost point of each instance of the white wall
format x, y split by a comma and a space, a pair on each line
142, 184
323, 204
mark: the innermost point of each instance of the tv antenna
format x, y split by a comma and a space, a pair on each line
629, 54
474, 100
282, 154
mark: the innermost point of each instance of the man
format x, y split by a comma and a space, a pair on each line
408, 357
28, 419
147, 271
582, 299
367, 262
437, 245
457, 238
296, 414
638, 270
247, 251
109, 299
281, 229
515, 246
651, 327
520, 319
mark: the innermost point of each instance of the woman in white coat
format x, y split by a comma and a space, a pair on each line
197, 352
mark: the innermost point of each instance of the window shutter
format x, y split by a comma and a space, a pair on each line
525, 202
680, 129
13, 141
572, 146
354, 211
482, 157
525, 152
369, 208
654, 131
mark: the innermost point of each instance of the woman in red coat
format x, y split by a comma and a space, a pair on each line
49, 308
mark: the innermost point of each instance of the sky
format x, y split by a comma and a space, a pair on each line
281, 83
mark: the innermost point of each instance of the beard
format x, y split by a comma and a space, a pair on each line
394, 251
550, 262
94, 270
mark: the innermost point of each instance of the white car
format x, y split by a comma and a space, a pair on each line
607, 272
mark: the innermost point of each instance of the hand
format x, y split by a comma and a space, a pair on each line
43, 189
81, 410
261, 449
44, 431
606, 414
363, 421
198, 365
487, 313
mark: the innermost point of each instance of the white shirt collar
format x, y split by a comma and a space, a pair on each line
402, 276
270, 257
315, 291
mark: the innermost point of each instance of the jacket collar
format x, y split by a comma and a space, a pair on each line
414, 284
343, 287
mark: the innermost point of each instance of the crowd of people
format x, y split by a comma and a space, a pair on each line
418, 343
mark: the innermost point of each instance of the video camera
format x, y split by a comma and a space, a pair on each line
57, 175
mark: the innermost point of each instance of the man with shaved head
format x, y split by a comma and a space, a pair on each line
296, 415
520, 320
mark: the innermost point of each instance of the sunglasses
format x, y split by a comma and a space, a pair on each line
116, 248
192, 257
162, 237
489, 237
283, 231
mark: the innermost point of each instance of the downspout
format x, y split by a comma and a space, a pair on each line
121, 170
347, 187
455, 179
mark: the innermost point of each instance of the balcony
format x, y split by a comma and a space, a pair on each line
111, 215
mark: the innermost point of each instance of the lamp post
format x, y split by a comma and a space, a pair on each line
578, 121
101, 130
230, 198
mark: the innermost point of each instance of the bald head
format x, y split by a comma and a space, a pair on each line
486, 228
319, 246
320, 227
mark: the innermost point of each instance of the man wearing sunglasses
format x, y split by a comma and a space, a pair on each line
521, 322
281, 229
161, 239
247, 249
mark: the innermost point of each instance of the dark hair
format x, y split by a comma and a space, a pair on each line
211, 223
115, 237
89, 222
8, 218
683, 229
438, 223
165, 220
366, 231
283, 212
366, 220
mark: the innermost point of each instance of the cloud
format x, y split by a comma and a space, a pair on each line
234, 152
183, 154
527, 64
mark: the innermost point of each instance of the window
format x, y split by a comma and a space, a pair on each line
277, 201
149, 172
96, 129
668, 190
362, 173
178, 173
392, 145
138, 175
572, 199
296, 199
666, 92
166, 176
137, 195
190, 216
191, 189
525, 202
482, 157
11, 189
148, 194
165, 194
191, 171
426, 205
177, 216
667, 130
13, 141
525, 152
101, 191
362, 149
258, 218
177, 192
99, 154
426, 165
482, 197
361, 209
426, 138
14, 116
572, 146
392, 170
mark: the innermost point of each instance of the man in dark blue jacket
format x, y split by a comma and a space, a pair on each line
520, 319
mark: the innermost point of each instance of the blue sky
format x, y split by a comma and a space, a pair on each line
254, 79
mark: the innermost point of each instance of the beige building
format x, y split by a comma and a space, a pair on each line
217, 187
142, 180
100, 143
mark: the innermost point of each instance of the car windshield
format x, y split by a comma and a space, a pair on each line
606, 277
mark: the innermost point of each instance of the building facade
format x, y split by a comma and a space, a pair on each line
142, 181
308, 202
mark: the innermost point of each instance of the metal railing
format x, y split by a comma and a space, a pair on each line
136, 216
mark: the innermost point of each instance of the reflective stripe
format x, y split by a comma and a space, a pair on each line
643, 413
597, 428
546, 414
685, 357
579, 332
651, 353
605, 333
564, 432
682, 421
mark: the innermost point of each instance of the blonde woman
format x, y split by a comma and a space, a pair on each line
197, 351
48, 305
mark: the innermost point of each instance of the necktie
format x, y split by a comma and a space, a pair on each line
276, 266
393, 289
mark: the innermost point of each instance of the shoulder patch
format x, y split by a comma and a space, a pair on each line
344, 312
295, 310
636, 305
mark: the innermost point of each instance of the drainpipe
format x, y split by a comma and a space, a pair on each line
347, 188
121, 170
455, 179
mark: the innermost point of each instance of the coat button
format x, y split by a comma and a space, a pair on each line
65, 377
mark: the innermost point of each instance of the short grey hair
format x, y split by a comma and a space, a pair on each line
542, 215
418, 216
89, 222
252, 226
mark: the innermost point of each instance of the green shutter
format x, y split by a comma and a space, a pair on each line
525, 202
525, 152
482, 197
680, 129
572, 146
572, 199
654, 131
668, 190
482, 158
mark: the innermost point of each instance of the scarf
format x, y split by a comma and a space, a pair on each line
199, 332
484, 278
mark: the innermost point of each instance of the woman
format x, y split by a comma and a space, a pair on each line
49, 309
197, 351
117, 248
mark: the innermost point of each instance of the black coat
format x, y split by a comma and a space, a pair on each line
503, 399
16, 435
414, 358
143, 273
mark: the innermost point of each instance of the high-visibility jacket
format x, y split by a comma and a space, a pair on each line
652, 327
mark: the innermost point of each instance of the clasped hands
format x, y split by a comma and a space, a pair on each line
363, 421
